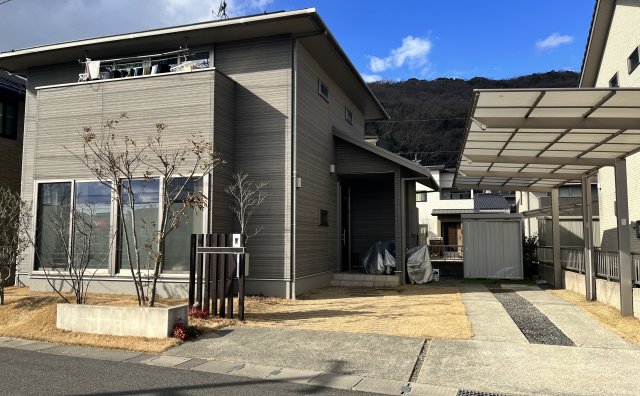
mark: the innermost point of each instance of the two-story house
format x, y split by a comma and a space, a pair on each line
278, 98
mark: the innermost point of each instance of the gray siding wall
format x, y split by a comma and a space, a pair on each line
262, 69
56, 116
316, 246
60, 74
222, 219
182, 101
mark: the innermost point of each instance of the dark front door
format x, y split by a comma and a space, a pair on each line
450, 233
345, 220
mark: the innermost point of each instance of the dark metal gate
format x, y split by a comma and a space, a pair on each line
213, 269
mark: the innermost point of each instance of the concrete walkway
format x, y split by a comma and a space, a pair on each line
500, 360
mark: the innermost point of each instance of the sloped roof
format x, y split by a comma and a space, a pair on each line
415, 168
306, 25
12, 83
444, 212
487, 201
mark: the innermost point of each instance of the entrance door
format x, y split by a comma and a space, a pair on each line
451, 233
345, 222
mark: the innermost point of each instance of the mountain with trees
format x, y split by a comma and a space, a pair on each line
428, 117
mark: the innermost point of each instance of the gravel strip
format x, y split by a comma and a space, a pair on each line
534, 324
419, 362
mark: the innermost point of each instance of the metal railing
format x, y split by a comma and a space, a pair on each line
607, 264
572, 258
446, 252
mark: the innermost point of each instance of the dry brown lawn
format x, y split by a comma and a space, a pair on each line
413, 311
626, 326
32, 315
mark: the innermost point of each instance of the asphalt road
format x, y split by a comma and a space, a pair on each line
32, 373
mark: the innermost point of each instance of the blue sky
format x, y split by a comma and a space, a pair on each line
392, 40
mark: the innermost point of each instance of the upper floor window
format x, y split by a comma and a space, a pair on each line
348, 115
634, 60
613, 83
453, 193
323, 90
8, 119
421, 196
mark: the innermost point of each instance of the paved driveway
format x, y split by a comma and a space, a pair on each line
500, 358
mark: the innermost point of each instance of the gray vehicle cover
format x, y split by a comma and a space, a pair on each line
419, 265
380, 258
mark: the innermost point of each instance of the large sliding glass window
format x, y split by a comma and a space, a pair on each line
92, 224
145, 195
53, 220
88, 216
177, 242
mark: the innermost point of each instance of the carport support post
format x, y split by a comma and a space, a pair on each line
555, 232
624, 244
587, 236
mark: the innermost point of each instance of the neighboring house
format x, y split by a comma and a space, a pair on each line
439, 211
611, 60
12, 95
490, 203
279, 99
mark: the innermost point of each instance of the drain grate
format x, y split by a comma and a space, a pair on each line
464, 392
535, 326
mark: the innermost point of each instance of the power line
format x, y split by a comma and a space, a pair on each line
422, 120
4, 1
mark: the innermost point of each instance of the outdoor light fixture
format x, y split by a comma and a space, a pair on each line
478, 123
332, 169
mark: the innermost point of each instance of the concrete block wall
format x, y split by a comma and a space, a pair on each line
606, 292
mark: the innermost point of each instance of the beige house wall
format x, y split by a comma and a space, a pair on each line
623, 38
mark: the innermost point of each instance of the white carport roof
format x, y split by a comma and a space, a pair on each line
538, 139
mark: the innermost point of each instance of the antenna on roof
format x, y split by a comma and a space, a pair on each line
222, 10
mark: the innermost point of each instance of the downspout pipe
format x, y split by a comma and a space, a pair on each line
294, 174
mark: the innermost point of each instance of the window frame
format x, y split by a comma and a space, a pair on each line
348, 115
614, 82
423, 192
113, 265
324, 96
323, 221
4, 130
632, 64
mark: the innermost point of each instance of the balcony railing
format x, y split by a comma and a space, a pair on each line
446, 252
606, 263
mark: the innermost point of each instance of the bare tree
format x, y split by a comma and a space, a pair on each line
120, 162
15, 221
247, 195
71, 255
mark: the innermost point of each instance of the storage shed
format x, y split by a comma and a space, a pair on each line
492, 245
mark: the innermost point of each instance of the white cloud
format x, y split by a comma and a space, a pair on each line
552, 41
63, 20
413, 52
371, 77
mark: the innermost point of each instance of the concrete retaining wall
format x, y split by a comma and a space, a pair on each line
121, 321
606, 292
